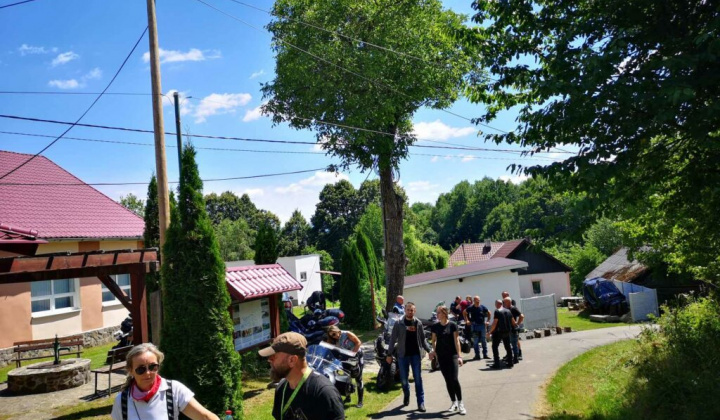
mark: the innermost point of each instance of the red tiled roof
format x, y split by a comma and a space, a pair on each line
254, 281
14, 234
479, 252
60, 211
470, 269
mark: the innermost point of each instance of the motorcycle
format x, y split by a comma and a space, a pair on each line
388, 372
340, 366
313, 325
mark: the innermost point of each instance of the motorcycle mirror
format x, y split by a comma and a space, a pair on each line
384, 313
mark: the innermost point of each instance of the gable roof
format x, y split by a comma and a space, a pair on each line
479, 252
254, 281
618, 267
467, 270
71, 210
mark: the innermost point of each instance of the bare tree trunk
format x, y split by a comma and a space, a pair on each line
392, 206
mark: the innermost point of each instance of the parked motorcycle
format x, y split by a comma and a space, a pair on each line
388, 372
338, 365
313, 325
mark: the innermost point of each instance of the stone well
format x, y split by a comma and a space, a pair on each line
44, 377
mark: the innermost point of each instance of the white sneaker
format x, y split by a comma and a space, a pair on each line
453, 407
461, 407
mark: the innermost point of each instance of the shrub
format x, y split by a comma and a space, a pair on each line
355, 298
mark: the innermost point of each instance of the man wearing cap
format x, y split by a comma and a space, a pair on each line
302, 393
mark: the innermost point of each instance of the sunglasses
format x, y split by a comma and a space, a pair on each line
152, 367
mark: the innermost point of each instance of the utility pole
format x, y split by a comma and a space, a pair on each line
178, 133
158, 124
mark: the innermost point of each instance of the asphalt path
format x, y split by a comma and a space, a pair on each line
507, 393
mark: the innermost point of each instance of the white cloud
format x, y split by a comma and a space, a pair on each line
254, 192
422, 191
515, 179
467, 158
257, 74
65, 84
254, 114
64, 58
93, 74
307, 185
437, 130
26, 49
220, 103
434, 159
194, 54
418, 186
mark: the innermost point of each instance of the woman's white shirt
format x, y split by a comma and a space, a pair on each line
156, 408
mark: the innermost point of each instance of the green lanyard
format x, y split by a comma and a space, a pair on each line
286, 406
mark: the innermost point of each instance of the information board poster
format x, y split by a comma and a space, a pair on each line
251, 323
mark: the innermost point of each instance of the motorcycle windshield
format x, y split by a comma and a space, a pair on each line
392, 320
321, 359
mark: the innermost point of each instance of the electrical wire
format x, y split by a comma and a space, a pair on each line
356, 74
86, 111
40, 92
70, 184
16, 4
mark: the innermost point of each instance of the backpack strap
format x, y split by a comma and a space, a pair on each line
124, 402
170, 401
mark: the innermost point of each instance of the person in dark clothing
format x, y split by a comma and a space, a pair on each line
302, 394
409, 337
455, 308
446, 347
518, 317
518, 345
500, 331
316, 300
478, 316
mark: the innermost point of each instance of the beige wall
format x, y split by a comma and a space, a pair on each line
17, 323
14, 313
557, 283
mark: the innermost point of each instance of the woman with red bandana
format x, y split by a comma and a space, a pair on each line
147, 396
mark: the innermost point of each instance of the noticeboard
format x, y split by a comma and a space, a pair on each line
251, 323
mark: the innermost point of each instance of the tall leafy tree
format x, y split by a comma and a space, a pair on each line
295, 235
635, 88
312, 90
235, 239
197, 335
266, 245
133, 203
336, 214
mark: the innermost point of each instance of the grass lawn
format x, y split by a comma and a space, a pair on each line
97, 356
580, 320
594, 385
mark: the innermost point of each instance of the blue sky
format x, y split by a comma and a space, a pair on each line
218, 64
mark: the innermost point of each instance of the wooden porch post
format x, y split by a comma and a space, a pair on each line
139, 307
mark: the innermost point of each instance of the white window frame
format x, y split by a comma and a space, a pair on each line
532, 283
303, 276
115, 300
75, 295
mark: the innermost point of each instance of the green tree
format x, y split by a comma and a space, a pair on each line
266, 245
235, 239
307, 92
336, 214
636, 93
422, 257
133, 203
295, 235
605, 236
197, 337
326, 264
582, 259
368, 254
355, 298
370, 225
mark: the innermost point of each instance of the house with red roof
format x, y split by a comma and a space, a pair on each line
544, 275
44, 209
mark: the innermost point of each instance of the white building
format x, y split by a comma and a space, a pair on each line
304, 268
487, 279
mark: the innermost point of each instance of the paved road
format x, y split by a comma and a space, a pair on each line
508, 393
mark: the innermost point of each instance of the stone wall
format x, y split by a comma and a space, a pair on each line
91, 338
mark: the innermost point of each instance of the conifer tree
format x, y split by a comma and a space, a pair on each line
197, 332
368, 253
266, 245
151, 233
355, 298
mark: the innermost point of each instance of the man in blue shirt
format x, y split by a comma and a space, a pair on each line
478, 316
398, 307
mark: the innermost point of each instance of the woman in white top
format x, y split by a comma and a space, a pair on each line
147, 396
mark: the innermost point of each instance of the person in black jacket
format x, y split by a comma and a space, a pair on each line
503, 323
409, 337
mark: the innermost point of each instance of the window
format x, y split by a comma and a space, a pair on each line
303, 276
53, 295
536, 287
122, 280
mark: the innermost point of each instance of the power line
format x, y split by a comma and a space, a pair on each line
373, 81
15, 4
70, 184
470, 157
40, 92
86, 111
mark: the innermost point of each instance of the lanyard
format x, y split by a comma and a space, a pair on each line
286, 406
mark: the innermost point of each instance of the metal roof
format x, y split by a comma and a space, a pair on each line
254, 281
467, 270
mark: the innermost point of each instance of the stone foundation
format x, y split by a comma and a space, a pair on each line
91, 338
25, 380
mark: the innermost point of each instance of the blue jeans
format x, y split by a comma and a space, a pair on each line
405, 363
479, 334
514, 343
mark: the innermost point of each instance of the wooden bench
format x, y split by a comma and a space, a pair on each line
21, 348
115, 361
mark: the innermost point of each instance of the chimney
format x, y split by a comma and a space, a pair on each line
488, 244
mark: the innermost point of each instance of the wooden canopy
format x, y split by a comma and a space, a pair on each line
100, 264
